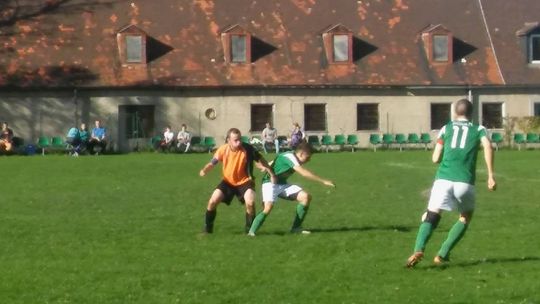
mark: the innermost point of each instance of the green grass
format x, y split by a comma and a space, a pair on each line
125, 229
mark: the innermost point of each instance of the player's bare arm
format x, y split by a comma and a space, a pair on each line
263, 165
436, 157
489, 158
310, 175
208, 167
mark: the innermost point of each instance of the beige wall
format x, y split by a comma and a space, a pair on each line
32, 114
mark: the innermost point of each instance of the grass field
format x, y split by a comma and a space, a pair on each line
125, 229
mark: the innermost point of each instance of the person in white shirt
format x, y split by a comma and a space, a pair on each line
183, 139
269, 135
166, 142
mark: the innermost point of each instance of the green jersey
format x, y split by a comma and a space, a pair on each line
283, 167
461, 140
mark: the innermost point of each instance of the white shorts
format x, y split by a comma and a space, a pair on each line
270, 192
448, 195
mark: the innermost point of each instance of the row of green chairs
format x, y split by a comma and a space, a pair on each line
400, 139
529, 138
338, 140
55, 143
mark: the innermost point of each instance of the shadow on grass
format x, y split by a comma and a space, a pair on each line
485, 261
350, 229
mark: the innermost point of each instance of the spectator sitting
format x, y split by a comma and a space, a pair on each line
97, 139
83, 135
183, 139
269, 135
297, 135
73, 138
167, 141
6, 138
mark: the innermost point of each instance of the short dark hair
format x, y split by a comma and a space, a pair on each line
463, 107
304, 147
233, 131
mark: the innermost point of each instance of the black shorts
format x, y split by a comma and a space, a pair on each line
229, 191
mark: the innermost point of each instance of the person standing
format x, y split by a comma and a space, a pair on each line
269, 135
456, 150
237, 170
284, 166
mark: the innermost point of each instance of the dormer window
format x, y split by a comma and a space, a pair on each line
440, 48
134, 49
530, 35
438, 44
132, 45
341, 48
534, 48
338, 41
238, 48
236, 43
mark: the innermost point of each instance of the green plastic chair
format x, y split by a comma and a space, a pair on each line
340, 140
387, 139
519, 139
244, 139
209, 143
425, 139
154, 141
43, 143
196, 143
400, 139
352, 140
375, 139
326, 141
58, 143
413, 139
314, 140
532, 138
496, 138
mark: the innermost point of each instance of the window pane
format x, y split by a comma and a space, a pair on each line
492, 115
440, 115
238, 48
367, 117
139, 121
440, 48
315, 117
535, 48
134, 48
537, 109
341, 48
260, 115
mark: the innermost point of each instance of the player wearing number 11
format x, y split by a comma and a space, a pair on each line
453, 189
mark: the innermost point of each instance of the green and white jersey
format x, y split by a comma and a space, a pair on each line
461, 140
283, 167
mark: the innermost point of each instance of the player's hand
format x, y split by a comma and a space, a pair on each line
492, 185
329, 183
202, 173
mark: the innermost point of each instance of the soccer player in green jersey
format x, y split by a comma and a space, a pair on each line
456, 150
284, 166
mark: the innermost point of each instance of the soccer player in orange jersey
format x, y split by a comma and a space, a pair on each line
237, 158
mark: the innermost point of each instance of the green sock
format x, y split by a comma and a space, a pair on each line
257, 222
301, 212
454, 235
424, 233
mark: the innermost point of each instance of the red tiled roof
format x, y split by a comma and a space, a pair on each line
73, 43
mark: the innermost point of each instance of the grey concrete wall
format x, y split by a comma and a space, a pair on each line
35, 113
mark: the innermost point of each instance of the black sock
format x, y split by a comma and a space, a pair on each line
249, 221
209, 220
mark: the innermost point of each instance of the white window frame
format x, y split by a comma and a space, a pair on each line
531, 37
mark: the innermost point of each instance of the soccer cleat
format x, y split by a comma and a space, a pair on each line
252, 234
414, 259
300, 231
439, 260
